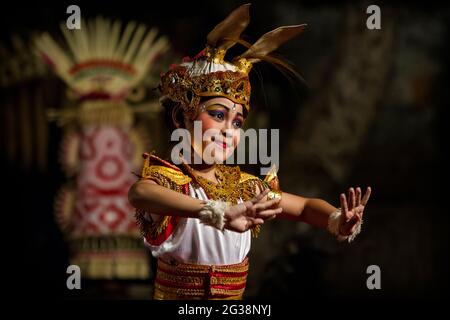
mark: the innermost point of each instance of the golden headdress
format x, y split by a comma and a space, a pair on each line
208, 74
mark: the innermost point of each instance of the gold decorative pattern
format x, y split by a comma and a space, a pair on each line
163, 174
273, 184
180, 278
234, 280
181, 87
233, 186
168, 293
166, 175
246, 176
237, 294
250, 186
191, 281
215, 54
150, 227
208, 74
243, 65
165, 293
198, 268
227, 189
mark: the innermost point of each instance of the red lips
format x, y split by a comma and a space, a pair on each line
222, 144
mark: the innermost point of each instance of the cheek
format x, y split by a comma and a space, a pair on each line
207, 122
236, 138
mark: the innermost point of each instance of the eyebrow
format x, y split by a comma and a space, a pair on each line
228, 108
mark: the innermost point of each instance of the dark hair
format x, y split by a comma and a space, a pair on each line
173, 114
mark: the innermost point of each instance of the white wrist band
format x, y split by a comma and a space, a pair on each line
333, 227
213, 214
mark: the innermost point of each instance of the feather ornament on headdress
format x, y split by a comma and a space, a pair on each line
208, 74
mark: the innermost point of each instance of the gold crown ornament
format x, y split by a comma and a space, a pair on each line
208, 74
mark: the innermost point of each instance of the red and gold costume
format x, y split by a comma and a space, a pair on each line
198, 261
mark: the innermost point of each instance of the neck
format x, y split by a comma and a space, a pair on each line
200, 167
203, 167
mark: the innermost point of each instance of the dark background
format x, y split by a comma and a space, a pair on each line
374, 112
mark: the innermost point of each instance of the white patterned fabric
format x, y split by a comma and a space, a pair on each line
195, 242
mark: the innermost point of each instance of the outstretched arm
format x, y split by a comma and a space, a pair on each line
316, 212
149, 196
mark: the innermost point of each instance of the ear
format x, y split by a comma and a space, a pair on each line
188, 123
176, 118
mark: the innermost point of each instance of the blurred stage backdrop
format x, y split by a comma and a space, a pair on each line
373, 112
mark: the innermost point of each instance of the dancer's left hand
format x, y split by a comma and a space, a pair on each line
352, 210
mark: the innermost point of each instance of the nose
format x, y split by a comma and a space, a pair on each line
226, 126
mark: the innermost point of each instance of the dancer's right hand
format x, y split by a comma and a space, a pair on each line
243, 216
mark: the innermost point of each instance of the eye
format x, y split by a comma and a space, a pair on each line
237, 123
217, 114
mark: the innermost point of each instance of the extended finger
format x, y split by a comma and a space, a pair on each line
366, 196
352, 198
344, 207
358, 196
266, 204
265, 214
260, 196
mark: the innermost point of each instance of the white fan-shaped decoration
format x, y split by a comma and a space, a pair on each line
102, 57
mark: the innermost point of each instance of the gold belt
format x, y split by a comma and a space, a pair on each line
180, 281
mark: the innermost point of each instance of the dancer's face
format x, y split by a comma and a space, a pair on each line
221, 121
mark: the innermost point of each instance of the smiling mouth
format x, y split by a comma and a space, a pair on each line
221, 144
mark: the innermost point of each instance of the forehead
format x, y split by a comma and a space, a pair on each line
223, 101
